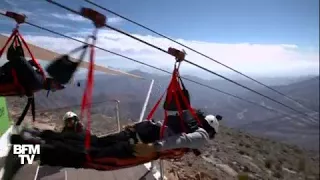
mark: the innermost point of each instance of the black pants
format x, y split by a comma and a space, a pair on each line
27, 76
148, 132
116, 146
68, 150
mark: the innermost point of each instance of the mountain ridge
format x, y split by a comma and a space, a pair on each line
237, 114
236, 151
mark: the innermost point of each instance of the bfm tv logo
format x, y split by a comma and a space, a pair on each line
26, 151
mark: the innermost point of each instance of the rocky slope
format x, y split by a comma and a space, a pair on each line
231, 155
237, 155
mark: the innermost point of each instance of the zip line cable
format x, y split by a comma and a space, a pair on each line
134, 60
205, 69
139, 62
198, 52
167, 53
217, 74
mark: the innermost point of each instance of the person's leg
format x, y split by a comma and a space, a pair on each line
113, 146
148, 131
121, 149
54, 150
51, 153
65, 154
66, 136
124, 135
5, 75
27, 75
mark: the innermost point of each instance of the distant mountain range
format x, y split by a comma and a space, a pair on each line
233, 152
237, 114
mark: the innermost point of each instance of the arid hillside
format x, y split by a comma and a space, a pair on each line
231, 155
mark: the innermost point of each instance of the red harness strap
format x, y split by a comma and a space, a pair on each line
192, 111
99, 21
32, 57
87, 99
13, 72
16, 81
172, 90
19, 20
14, 32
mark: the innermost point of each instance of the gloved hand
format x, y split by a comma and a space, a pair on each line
144, 150
129, 127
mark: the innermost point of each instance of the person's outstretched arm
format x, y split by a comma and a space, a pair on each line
193, 140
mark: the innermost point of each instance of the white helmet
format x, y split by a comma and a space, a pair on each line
213, 122
69, 115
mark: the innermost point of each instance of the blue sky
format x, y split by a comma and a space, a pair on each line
229, 21
282, 33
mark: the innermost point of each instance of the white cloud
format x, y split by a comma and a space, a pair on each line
74, 17
14, 6
114, 20
56, 25
69, 16
17, 10
11, 3
25, 12
254, 59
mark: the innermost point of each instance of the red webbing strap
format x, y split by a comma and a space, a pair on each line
14, 32
16, 82
99, 21
32, 57
16, 43
172, 89
155, 107
193, 113
90, 89
13, 72
172, 93
175, 95
87, 99
168, 98
163, 127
